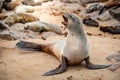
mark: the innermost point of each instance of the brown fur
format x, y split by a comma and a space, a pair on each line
20, 18
2, 16
111, 3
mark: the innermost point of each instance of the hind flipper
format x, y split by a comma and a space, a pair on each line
60, 69
28, 45
89, 65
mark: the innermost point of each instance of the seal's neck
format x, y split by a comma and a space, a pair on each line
77, 32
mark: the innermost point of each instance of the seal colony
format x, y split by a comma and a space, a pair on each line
71, 51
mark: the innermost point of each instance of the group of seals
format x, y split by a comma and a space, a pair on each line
71, 51
102, 6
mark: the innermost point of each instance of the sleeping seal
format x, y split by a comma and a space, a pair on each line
71, 51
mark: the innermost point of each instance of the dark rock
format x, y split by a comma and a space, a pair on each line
1, 4
2, 26
115, 13
111, 29
90, 22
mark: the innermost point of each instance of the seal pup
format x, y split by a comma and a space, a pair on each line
34, 2
19, 18
93, 7
25, 9
109, 4
64, 49
39, 26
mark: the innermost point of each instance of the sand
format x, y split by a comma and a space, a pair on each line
17, 64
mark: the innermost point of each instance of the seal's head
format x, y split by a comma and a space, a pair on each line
9, 21
71, 21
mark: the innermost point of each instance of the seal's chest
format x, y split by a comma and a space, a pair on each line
75, 54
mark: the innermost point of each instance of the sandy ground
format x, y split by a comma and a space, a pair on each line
17, 64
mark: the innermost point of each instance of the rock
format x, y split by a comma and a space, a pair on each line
45, 35
105, 16
25, 9
91, 1
1, 4
5, 35
90, 22
70, 1
114, 57
114, 67
111, 29
115, 13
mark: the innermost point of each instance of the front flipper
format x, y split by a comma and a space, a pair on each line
60, 69
89, 65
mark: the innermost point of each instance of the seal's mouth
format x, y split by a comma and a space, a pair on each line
65, 22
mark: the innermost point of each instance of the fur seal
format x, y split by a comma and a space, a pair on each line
92, 7
19, 18
39, 26
25, 9
34, 2
64, 49
108, 4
